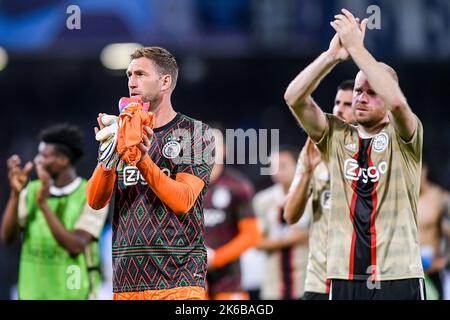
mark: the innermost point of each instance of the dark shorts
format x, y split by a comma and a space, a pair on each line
315, 296
406, 289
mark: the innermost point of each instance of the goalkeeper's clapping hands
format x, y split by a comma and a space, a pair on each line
145, 145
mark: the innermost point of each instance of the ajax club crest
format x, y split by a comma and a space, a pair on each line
380, 142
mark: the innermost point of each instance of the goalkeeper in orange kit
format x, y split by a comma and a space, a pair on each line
158, 242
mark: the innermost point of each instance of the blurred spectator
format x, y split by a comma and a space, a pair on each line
286, 246
432, 208
59, 253
230, 226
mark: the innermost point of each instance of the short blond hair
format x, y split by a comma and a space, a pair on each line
164, 61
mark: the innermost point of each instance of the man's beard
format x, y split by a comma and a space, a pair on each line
365, 122
369, 122
153, 101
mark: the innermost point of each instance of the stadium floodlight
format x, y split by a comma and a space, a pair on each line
116, 56
3, 58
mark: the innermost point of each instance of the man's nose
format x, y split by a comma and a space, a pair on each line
132, 82
363, 98
340, 108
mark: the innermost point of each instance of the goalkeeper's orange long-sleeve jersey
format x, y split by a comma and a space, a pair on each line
158, 237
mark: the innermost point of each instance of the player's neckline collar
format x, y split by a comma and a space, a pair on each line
364, 135
67, 189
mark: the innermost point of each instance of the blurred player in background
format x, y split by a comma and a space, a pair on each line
230, 225
158, 237
433, 207
310, 191
59, 256
286, 246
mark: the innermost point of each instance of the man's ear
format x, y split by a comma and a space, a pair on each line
166, 82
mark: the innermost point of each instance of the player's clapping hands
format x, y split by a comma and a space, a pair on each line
312, 157
144, 146
46, 181
351, 33
18, 177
